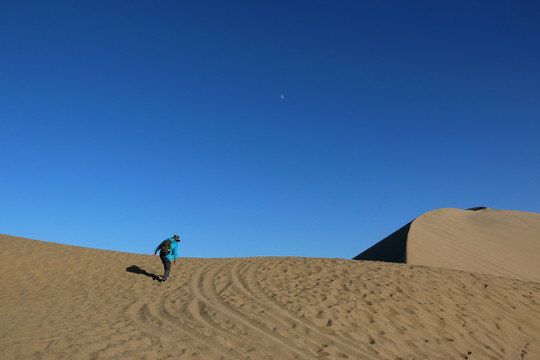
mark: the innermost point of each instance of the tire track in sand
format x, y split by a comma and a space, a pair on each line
248, 284
165, 325
256, 332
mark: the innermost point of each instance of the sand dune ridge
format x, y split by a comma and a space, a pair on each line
497, 242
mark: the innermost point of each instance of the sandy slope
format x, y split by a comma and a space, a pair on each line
64, 302
497, 242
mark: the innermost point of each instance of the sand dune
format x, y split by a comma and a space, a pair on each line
497, 242
65, 302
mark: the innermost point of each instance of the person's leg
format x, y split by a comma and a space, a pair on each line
166, 267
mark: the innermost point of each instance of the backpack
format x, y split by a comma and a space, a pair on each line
165, 247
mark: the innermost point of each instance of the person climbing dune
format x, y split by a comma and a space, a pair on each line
168, 252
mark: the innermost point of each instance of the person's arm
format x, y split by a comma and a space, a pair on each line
156, 250
175, 253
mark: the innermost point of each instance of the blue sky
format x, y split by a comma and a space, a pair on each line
262, 128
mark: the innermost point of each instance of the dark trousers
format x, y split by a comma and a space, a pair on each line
166, 266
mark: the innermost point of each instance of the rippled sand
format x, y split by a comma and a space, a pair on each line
65, 302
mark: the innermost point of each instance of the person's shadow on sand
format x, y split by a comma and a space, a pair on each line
137, 270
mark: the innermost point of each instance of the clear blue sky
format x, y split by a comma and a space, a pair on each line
262, 128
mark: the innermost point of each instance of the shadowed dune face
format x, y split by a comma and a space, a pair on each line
393, 248
64, 302
497, 242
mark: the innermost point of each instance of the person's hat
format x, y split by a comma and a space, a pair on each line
176, 237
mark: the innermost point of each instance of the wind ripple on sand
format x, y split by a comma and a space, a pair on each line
65, 302
268, 308
223, 309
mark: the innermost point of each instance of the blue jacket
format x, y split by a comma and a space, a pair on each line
173, 252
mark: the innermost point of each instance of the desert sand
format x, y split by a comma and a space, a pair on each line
497, 242
65, 302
